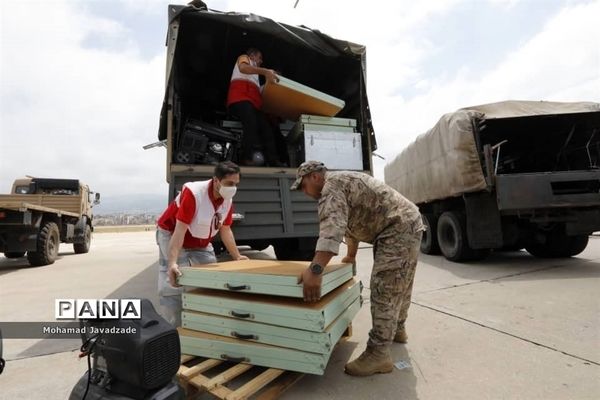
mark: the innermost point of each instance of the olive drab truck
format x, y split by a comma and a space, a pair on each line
506, 176
197, 130
41, 213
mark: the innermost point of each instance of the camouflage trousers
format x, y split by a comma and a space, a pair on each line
395, 259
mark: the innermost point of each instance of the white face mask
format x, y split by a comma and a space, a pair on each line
227, 192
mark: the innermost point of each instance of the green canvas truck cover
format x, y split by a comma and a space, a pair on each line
444, 162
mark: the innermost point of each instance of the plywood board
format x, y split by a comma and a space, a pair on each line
289, 99
226, 348
314, 342
261, 276
281, 311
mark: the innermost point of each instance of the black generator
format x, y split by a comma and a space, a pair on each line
132, 359
203, 143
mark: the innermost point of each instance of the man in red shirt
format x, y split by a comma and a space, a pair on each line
186, 229
244, 100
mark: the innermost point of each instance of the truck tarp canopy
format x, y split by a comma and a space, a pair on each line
209, 42
445, 161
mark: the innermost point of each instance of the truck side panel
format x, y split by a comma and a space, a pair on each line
68, 203
267, 206
548, 190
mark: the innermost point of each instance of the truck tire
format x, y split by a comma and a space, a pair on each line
48, 242
14, 254
577, 244
285, 249
82, 248
559, 246
429, 243
259, 245
452, 238
292, 249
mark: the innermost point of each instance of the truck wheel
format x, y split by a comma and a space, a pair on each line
294, 249
559, 246
285, 249
452, 237
259, 245
81, 248
429, 243
48, 242
577, 244
14, 254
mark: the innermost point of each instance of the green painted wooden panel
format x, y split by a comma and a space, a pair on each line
316, 342
270, 275
221, 347
288, 83
328, 128
279, 285
285, 312
320, 120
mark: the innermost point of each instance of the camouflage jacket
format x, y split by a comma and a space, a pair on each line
357, 205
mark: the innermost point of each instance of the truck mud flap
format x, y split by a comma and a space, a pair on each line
484, 227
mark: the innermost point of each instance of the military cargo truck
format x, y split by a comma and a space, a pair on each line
202, 48
508, 175
41, 213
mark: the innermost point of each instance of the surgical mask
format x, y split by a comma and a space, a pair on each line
227, 192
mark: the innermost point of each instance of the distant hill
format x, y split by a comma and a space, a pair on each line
132, 204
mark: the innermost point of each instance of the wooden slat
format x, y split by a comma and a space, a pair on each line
228, 375
277, 389
255, 384
220, 391
186, 357
200, 368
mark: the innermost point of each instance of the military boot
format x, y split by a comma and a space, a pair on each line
372, 361
401, 336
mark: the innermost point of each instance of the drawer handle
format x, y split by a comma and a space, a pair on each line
241, 315
240, 287
244, 337
234, 359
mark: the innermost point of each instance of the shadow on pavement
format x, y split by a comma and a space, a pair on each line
517, 265
142, 285
8, 265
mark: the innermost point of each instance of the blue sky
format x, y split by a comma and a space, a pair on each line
81, 81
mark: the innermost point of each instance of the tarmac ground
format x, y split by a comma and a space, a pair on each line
508, 327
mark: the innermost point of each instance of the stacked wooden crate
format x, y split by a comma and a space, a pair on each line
252, 311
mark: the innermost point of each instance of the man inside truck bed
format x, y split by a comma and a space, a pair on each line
244, 101
186, 229
363, 209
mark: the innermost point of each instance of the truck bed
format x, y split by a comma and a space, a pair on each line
58, 204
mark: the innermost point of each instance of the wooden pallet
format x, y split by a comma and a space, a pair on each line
195, 381
264, 384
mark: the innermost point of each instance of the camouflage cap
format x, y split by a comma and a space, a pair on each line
306, 168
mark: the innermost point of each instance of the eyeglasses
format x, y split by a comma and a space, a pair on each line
216, 221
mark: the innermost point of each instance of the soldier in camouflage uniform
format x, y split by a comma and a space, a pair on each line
362, 209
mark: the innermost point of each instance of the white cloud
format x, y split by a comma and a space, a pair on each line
75, 112
560, 63
69, 109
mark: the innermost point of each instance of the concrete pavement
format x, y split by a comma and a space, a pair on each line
508, 327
